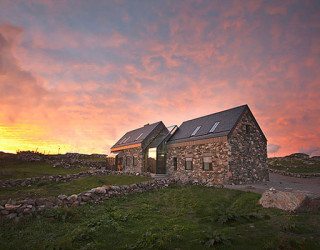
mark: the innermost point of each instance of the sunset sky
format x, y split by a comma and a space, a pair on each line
76, 75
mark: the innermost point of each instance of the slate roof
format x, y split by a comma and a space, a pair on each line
134, 134
227, 120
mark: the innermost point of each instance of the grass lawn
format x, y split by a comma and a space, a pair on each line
15, 169
73, 187
188, 217
295, 166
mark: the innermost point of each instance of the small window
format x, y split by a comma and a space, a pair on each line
188, 164
139, 136
128, 161
195, 131
207, 163
134, 159
175, 163
215, 125
248, 129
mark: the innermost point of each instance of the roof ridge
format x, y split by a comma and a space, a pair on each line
244, 105
143, 126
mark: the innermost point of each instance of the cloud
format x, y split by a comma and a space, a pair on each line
273, 148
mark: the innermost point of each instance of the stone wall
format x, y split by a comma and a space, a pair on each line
297, 175
29, 206
248, 161
137, 153
217, 148
51, 178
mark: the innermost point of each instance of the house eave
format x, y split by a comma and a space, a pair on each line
120, 148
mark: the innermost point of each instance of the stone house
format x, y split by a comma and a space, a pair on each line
221, 148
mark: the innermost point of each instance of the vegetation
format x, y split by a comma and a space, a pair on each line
72, 187
16, 169
190, 217
295, 165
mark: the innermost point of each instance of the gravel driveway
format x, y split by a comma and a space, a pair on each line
284, 183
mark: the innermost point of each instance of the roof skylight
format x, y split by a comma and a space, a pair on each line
195, 131
139, 136
126, 139
215, 125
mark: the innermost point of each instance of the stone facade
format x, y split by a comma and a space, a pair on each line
137, 164
240, 157
248, 159
217, 148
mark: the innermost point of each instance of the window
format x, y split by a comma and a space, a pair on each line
215, 125
123, 140
126, 139
175, 163
139, 136
128, 161
188, 164
248, 129
195, 131
207, 163
134, 159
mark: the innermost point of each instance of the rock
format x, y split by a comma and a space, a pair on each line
10, 207
284, 200
73, 198
62, 197
100, 190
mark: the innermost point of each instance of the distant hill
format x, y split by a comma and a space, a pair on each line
296, 163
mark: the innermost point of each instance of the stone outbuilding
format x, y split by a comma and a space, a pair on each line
221, 148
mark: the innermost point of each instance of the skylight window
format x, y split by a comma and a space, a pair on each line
126, 139
195, 131
214, 127
122, 141
139, 136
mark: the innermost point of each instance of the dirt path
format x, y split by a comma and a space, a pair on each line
280, 182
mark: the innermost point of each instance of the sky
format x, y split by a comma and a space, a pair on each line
76, 75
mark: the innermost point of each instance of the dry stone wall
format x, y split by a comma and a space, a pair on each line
52, 178
217, 148
27, 207
248, 161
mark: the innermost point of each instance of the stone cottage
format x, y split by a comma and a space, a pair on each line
221, 148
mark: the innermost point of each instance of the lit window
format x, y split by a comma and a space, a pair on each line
207, 163
188, 164
215, 125
175, 163
195, 131
139, 136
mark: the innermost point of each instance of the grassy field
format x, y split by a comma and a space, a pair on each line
73, 187
15, 169
294, 165
190, 217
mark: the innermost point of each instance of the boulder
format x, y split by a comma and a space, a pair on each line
284, 200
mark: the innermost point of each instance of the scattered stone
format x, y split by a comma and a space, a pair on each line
289, 200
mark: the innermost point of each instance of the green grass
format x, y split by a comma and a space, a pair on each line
15, 169
295, 165
73, 187
190, 217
